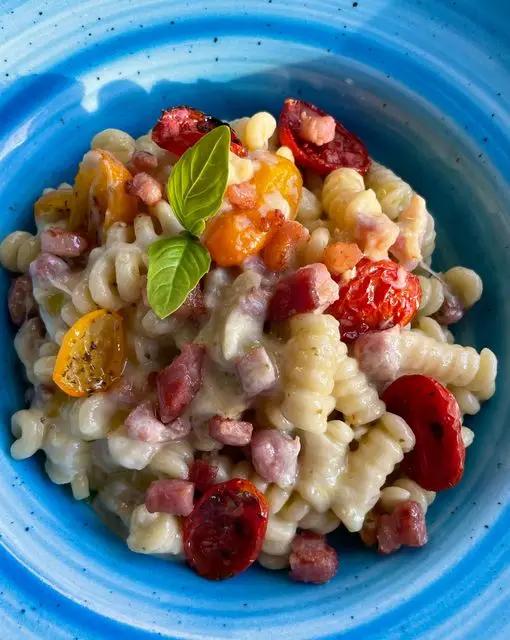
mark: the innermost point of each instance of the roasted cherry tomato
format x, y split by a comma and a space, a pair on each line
54, 205
277, 174
234, 236
345, 150
381, 295
224, 533
437, 460
91, 356
101, 185
180, 127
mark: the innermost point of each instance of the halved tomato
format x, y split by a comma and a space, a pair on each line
91, 356
100, 192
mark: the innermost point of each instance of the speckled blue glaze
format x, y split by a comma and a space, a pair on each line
424, 84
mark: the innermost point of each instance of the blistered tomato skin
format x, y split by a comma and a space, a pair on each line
381, 295
180, 128
91, 356
345, 150
224, 533
437, 460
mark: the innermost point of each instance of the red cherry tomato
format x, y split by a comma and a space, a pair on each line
345, 150
381, 295
223, 534
437, 460
180, 127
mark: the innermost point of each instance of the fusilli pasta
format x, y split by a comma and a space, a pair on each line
354, 395
356, 210
18, 250
117, 142
308, 373
379, 451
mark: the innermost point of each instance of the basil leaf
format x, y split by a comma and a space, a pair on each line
175, 267
198, 180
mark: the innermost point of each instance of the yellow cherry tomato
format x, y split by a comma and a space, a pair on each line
234, 236
92, 354
277, 174
102, 180
54, 205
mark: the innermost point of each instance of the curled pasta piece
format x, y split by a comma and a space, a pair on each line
117, 142
468, 436
393, 193
44, 364
116, 276
154, 533
464, 283
239, 169
402, 490
18, 250
28, 427
119, 496
274, 563
356, 210
467, 400
308, 371
432, 295
173, 459
319, 239
379, 451
321, 463
129, 453
66, 455
309, 208
354, 395
94, 417
255, 131
396, 198
449, 363
432, 328
167, 219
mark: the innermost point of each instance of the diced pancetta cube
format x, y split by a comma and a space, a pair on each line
317, 129
236, 433
378, 354
21, 301
170, 496
256, 371
274, 455
65, 244
145, 187
310, 288
143, 161
142, 424
312, 559
404, 526
179, 382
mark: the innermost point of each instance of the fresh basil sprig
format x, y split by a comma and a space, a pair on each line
175, 267
195, 189
198, 180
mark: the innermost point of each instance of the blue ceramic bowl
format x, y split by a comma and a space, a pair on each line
425, 85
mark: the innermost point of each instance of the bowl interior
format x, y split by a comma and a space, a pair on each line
380, 72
